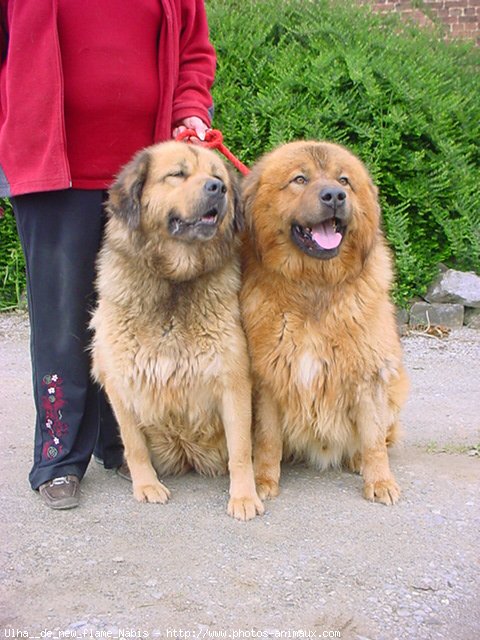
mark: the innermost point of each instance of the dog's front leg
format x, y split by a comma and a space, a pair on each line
146, 486
267, 444
373, 421
244, 503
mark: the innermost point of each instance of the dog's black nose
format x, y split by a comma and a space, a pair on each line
215, 186
333, 196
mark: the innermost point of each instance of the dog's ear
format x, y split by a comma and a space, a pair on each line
125, 195
249, 189
238, 219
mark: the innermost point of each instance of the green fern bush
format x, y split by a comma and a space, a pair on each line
399, 96
12, 263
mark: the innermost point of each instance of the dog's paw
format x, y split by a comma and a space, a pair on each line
384, 491
154, 492
245, 508
267, 488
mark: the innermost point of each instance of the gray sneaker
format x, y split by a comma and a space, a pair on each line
61, 493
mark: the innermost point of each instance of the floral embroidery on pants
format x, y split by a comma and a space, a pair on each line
53, 402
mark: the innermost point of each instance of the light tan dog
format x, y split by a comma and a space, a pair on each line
168, 344
326, 356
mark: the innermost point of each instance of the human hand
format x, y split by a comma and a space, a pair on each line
195, 123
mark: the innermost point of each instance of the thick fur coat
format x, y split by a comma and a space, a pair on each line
326, 356
168, 343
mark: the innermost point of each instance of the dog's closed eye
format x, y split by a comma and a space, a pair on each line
177, 174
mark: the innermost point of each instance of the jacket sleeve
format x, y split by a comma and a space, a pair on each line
197, 62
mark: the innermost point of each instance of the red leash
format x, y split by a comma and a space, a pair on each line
214, 140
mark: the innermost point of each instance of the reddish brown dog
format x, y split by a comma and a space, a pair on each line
326, 356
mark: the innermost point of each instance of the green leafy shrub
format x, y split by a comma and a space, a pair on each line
397, 95
12, 263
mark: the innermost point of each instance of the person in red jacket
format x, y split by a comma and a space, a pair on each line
83, 85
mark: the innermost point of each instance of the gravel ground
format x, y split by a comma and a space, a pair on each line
321, 561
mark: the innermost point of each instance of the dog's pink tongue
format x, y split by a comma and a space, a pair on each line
325, 235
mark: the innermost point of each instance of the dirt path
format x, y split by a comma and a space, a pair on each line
321, 560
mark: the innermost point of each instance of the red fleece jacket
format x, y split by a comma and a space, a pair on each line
34, 136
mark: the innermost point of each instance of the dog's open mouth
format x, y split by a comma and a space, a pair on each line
210, 217
202, 226
321, 240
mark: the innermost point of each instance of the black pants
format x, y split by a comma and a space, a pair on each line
60, 233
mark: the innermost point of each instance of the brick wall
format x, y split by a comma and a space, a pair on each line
460, 17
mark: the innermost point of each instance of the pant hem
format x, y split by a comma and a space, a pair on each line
41, 476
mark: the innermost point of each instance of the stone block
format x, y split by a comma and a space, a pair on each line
455, 287
402, 316
472, 318
446, 315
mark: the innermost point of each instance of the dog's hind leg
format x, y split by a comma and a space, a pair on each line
373, 418
146, 486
